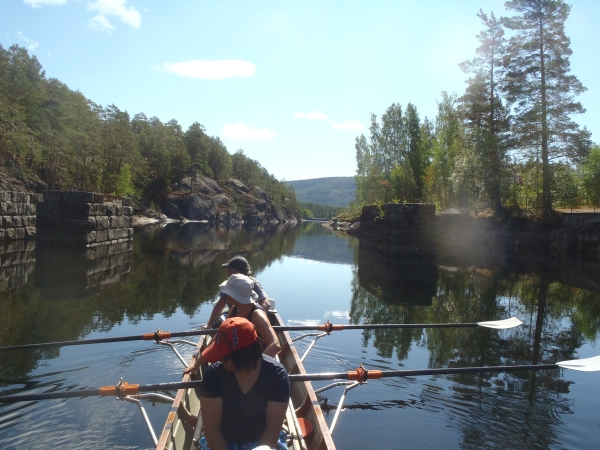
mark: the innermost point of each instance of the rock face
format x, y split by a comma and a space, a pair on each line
231, 203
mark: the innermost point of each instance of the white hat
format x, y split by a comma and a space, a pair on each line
240, 288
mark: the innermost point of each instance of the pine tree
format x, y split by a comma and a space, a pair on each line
481, 107
539, 83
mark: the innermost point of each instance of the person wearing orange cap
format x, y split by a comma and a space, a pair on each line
244, 394
239, 291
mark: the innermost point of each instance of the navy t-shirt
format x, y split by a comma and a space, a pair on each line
244, 415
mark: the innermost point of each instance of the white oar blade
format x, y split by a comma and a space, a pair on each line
501, 324
582, 365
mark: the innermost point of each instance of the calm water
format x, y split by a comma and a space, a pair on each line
168, 277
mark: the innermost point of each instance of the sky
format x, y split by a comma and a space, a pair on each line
292, 84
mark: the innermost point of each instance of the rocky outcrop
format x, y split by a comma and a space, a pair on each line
228, 203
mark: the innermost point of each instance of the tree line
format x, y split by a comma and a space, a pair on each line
56, 137
310, 210
508, 142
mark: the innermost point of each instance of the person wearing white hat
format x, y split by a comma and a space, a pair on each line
238, 289
237, 264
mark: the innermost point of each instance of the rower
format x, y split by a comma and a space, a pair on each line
238, 289
245, 394
238, 264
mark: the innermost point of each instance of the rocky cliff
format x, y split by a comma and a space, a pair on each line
230, 203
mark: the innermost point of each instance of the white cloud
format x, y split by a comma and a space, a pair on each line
117, 8
314, 115
99, 22
352, 125
36, 3
30, 43
239, 131
211, 70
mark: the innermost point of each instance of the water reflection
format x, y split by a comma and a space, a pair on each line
557, 298
79, 291
17, 261
170, 273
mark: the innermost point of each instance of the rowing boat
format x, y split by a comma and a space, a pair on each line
304, 419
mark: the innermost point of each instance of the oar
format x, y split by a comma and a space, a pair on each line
360, 374
328, 327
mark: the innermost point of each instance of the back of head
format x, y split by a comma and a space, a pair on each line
239, 264
235, 334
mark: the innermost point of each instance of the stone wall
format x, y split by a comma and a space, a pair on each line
398, 229
88, 218
18, 215
575, 219
17, 264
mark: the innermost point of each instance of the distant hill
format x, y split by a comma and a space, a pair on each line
327, 191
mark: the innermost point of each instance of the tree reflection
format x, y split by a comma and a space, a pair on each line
178, 267
558, 319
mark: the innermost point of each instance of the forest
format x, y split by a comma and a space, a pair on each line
507, 144
52, 137
311, 210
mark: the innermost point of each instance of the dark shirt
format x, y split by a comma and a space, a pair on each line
244, 415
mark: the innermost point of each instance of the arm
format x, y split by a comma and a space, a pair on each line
264, 328
216, 312
212, 412
194, 367
275, 416
264, 303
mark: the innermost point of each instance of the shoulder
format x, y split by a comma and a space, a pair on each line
212, 380
274, 375
213, 371
272, 365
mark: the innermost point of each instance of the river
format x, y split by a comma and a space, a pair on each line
167, 278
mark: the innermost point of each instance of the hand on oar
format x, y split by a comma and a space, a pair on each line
328, 327
360, 374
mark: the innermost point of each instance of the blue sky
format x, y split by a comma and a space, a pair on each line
290, 83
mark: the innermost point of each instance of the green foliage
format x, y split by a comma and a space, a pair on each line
540, 88
307, 214
508, 141
565, 186
591, 177
56, 134
319, 210
124, 183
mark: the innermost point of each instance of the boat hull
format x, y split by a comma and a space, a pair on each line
179, 434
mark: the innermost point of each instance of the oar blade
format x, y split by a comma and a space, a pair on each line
582, 365
501, 324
